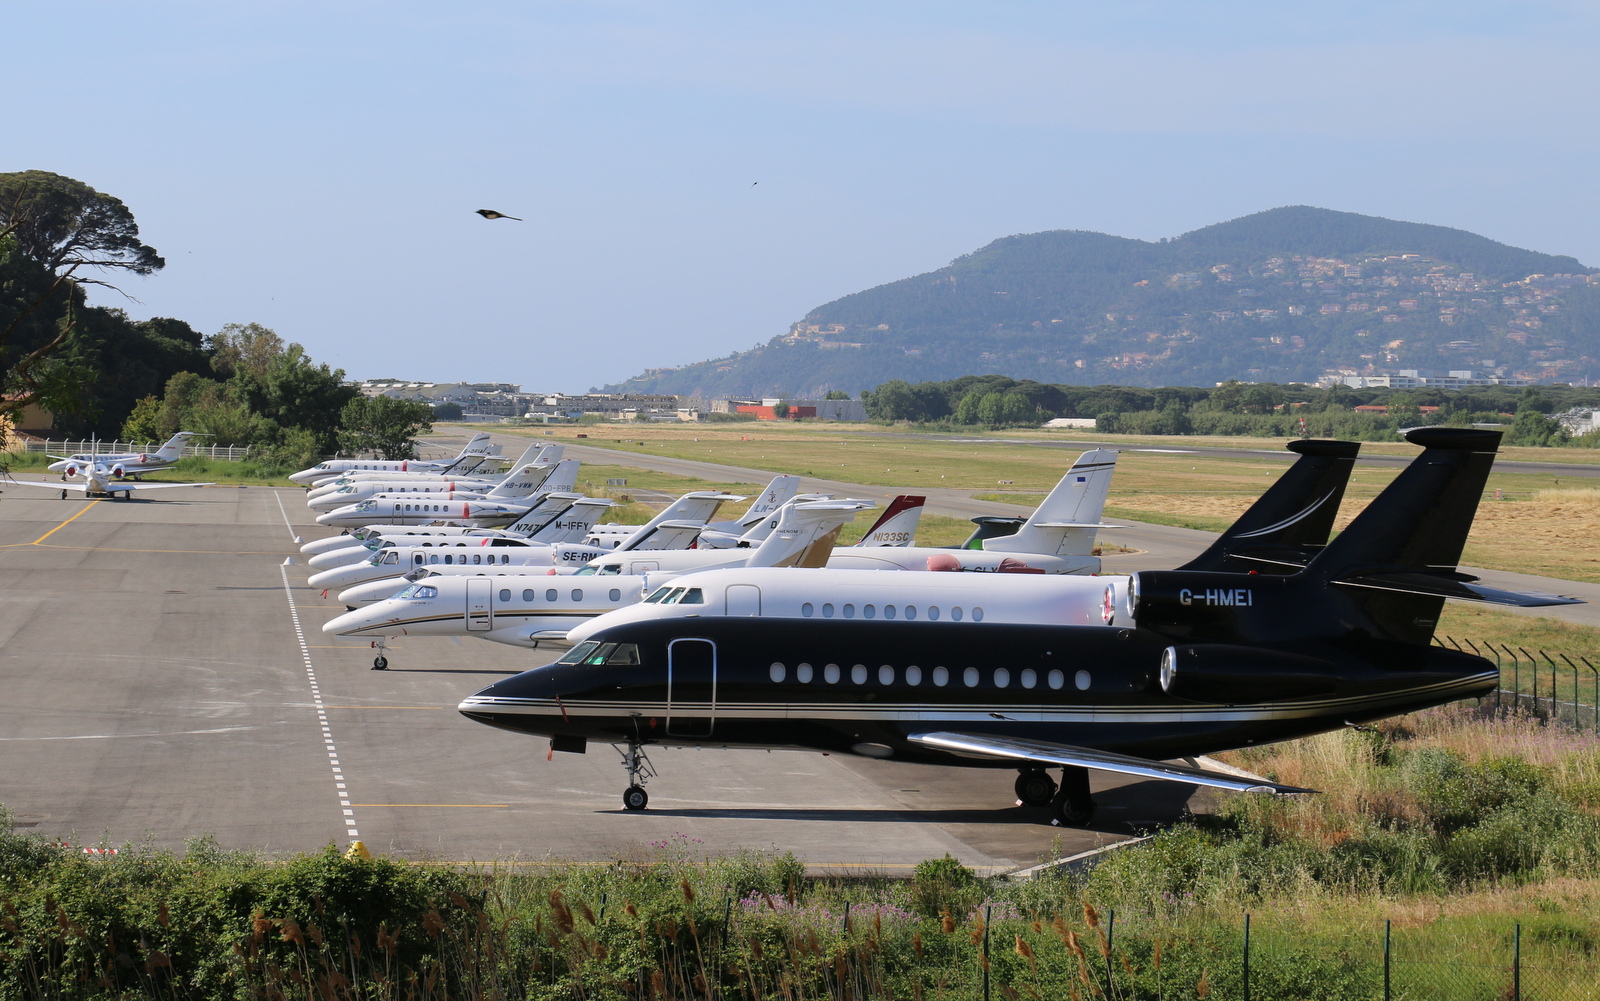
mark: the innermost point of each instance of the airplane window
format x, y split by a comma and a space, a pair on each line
777, 672
888, 611
599, 656
1081, 680
672, 596
977, 615
410, 592
867, 611
955, 614
693, 596
626, 654
911, 611
830, 674
527, 595
969, 677
806, 609
1057, 679
802, 674
505, 594
419, 559
505, 558
933, 613
477, 558
1002, 677
913, 675
858, 674
849, 611
435, 558
449, 559
550, 595
615, 595
433, 592
577, 594
886, 675
1029, 678
611, 570
655, 596
827, 610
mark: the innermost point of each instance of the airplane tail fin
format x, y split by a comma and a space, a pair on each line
1283, 530
478, 444
565, 474
697, 506
575, 522
173, 449
471, 455
1065, 524
550, 507
805, 532
897, 526
779, 492
1398, 558
523, 481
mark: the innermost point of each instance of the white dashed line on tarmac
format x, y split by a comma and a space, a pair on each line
322, 714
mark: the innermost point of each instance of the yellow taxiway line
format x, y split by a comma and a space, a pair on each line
64, 524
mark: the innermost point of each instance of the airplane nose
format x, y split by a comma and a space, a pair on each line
352, 623
338, 557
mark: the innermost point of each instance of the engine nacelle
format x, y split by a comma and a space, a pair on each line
1221, 672
117, 471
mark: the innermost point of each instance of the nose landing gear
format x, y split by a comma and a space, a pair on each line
380, 662
640, 771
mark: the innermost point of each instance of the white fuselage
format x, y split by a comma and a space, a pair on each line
909, 595
519, 611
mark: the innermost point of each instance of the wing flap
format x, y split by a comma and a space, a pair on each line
1019, 749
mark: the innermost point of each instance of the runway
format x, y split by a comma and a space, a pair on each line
157, 691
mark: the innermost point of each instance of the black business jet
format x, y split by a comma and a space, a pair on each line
1269, 635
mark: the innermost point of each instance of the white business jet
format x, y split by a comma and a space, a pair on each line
478, 447
100, 481
133, 464
342, 492
502, 505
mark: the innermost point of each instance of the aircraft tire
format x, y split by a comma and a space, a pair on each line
380, 663
1072, 806
1035, 787
635, 798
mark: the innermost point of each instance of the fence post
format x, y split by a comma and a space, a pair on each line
1386, 952
1555, 691
1247, 957
1516, 678
1111, 932
987, 909
1516, 964
1534, 663
1596, 672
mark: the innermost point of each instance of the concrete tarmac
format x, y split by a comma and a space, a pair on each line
157, 690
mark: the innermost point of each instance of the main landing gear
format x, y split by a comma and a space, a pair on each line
380, 662
1035, 787
1072, 806
640, 771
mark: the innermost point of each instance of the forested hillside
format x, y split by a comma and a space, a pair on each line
1282, 295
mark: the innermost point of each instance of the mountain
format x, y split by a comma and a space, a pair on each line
1282, 295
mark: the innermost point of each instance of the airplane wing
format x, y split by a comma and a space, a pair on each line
117, 487
158, 486
10, 482
989, 746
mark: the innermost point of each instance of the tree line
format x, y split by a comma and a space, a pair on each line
1232, 408
103, 374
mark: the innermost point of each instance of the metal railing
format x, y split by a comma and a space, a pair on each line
233, 453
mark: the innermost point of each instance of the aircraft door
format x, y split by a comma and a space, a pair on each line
691, 688
480, 617
744, 599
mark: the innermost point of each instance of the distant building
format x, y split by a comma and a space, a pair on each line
1579, 420
1411, 378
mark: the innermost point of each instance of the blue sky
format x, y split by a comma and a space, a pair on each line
315, 167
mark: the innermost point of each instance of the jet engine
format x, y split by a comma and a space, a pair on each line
1222, 672
117, 471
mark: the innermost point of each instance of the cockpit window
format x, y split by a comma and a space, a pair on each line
577, 654
692, 596
419, 591
656, 595
610, 570
391, 557
587, 571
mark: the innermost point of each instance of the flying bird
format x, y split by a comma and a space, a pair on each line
492, 214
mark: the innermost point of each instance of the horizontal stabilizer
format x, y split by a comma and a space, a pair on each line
1452, 586
1074, 524
988, 746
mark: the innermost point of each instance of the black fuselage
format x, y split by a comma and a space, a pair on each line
864, 687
